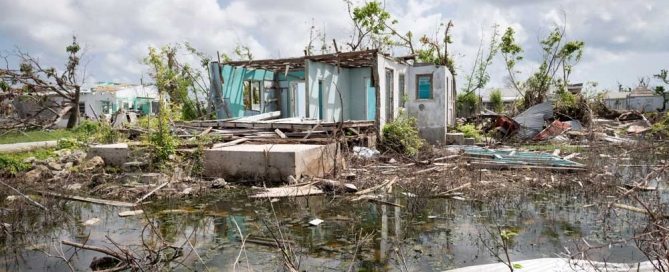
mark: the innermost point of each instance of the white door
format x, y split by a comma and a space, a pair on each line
298, 99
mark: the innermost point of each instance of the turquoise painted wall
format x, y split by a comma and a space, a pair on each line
233, 87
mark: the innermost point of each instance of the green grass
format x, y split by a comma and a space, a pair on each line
12, 163
35, 136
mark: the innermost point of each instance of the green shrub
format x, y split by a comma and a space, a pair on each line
102, 132
13, 163
466, 103
573, 105
69, 143
86, 129
107, 134
661, 127
470, 131
161, 139
496, 100
402, 136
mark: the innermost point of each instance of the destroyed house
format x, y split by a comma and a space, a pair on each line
347, 86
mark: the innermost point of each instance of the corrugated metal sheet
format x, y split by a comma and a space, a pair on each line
512, 157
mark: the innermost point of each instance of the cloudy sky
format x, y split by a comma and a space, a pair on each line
625, 40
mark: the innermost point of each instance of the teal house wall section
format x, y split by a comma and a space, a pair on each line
233, 87
285, 80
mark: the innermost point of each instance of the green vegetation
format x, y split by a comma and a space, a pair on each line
661, 128
496, 101
13, 163
401, 135
479, 76
174, 79
161, 139
661, 90
69, 143
470, 131
466, 103
86, 132
573, 105
559, 57
35, 136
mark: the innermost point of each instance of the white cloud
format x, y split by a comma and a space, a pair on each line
624, 39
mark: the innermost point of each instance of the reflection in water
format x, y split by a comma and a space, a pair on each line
443, 234
546, 224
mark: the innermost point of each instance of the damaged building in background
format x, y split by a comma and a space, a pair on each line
350, 86
99, 101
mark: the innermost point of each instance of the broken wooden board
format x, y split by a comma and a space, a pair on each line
231, 143
260, 117
280, 133
130, 213
91, 200
292, 191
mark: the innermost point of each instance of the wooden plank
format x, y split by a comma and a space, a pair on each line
231, 143
130, 213
292, 191
260, 117
151, 193
280, 133
90, 200
205, 132
310, 131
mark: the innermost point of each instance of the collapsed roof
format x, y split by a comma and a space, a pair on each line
355, 59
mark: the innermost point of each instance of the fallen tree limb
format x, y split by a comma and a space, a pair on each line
151, 193
446, 158
635, 209
375, 198
24, 196
374, 188
94, 248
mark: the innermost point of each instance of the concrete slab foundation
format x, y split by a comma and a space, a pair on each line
271, 162
112, 154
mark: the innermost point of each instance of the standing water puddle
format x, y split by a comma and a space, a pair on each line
431, 235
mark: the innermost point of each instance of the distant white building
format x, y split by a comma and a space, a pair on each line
103, 99
107, 98
640, 99
509, 97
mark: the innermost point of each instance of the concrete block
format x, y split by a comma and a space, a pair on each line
112, 154
272, 162
470, 141
455, 138
433, 135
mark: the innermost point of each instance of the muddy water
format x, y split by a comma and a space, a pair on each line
422, 235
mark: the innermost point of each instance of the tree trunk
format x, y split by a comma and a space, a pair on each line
74, 112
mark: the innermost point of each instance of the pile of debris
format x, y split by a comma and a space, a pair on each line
268, 128
540, 123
